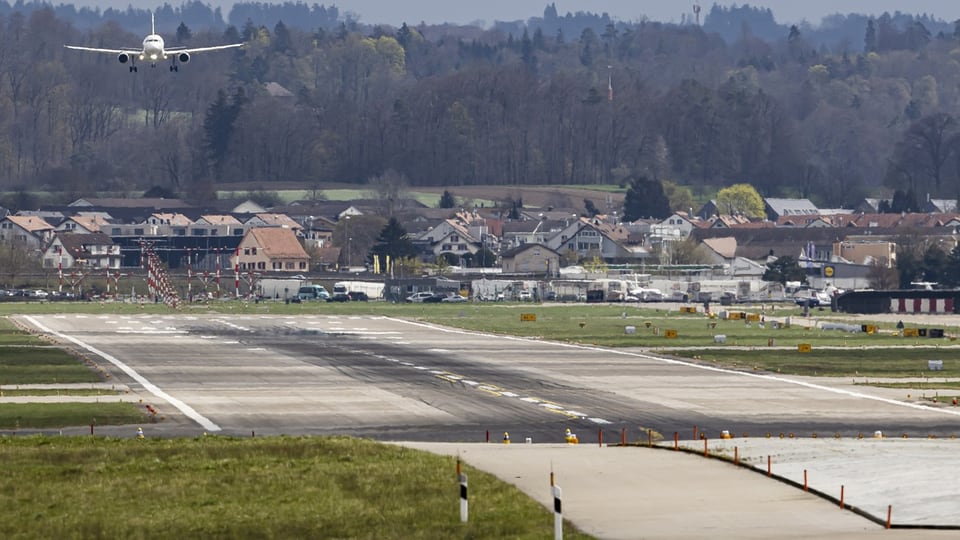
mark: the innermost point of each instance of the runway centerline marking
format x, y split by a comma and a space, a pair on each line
187, 410
812, 386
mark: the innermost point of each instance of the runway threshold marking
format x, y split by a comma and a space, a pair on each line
187, 410
671, 361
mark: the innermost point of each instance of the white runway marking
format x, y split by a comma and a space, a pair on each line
189, 411
671, 361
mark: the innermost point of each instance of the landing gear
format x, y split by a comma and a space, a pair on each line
133, 69
175, 67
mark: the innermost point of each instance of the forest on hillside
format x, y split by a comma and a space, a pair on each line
449, 106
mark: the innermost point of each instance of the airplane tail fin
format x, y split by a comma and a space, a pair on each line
153, 29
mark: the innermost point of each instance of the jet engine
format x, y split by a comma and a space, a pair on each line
123, 58
183, 57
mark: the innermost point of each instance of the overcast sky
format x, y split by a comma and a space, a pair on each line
395, 12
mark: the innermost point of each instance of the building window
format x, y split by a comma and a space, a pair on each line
290, 266
138, 232
454, 238
261, 265
115, 231
238, 232
180, 232
246, 251
199, 232
303, 265
276, 266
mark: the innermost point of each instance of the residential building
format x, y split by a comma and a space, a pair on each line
271, 249
31, 232
93, 250
530, 259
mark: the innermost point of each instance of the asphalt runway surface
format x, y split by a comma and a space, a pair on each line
445, 389
392, 379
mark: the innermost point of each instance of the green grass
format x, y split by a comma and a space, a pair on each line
10, 334
14, 392
56, 415
850, 362
36, 365
213, 487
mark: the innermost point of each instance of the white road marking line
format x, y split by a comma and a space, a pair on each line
670, 361
599, 421
189, 411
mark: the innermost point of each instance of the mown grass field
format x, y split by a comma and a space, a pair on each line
58, 415
278, 487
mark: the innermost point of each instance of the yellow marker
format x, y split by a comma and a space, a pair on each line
506, 438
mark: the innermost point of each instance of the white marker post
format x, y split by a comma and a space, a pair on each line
464, 506
557, 509
557, 514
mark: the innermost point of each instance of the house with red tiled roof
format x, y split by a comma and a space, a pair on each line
449, 238
217, 225
271, 249
32, 232
83, 223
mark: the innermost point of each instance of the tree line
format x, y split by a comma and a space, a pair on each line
443, 105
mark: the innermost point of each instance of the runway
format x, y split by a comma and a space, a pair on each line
393, 379
442, 389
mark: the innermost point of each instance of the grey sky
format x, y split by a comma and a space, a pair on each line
466, 11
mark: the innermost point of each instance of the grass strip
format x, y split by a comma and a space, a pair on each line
57, 415
893, 362
276, 487
42, 365
16, 392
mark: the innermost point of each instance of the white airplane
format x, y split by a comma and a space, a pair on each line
153, 51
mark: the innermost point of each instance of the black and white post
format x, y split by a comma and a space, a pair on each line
464, 508
557, 510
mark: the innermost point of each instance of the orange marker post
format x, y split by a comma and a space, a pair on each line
769, 470
676, 441
736, 456
841, 497
623, 436
805, 480
889, 514
706, 453
600, 437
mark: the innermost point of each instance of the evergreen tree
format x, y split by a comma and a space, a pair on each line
447, 200
870, 39
645, 199
183, 34
393, 243
784, 269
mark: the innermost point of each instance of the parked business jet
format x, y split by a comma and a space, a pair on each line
153, 51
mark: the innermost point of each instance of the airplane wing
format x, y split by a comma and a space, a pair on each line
205, 49
108, 51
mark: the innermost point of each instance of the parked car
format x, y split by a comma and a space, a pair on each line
435, 298
339, 297
420, 296
454, 299
524, 296
358, 296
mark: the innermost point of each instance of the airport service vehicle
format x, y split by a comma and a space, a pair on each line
372, 290
313, 292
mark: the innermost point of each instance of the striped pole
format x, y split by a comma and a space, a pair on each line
464, 506
557, 513
236, 274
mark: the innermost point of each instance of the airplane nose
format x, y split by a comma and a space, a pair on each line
153, 57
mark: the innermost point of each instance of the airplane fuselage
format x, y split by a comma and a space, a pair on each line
152, 49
